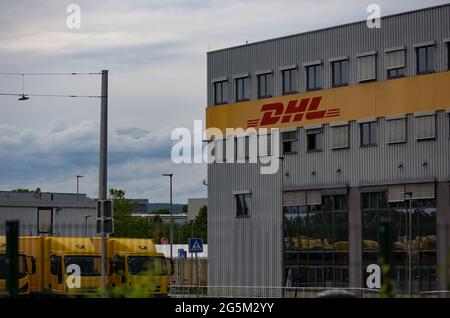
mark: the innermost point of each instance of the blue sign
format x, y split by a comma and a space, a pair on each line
195, 245
181, 253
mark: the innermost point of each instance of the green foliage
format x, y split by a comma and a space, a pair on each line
126, 225
22, 190
184, 209
162, 211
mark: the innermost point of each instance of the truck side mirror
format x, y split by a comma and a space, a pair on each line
33, 265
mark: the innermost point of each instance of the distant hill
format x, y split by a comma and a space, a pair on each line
176, 207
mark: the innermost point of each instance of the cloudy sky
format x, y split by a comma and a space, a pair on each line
155, 51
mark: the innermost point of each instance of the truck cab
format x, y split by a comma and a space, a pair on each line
67, 266
27, 267
135, 265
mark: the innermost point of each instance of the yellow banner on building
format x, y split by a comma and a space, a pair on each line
376, 99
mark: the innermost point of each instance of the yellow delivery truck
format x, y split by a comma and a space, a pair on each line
135, 264
65, 265
27, 268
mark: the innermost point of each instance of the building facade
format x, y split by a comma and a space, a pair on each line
55, 214
363, 115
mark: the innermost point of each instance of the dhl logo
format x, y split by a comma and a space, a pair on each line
296, 111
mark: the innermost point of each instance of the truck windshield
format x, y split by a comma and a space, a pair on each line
89, 265
138, 265
22, 266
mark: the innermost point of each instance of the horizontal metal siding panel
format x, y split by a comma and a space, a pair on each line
244, 251
72, 222
407, 29
26, 217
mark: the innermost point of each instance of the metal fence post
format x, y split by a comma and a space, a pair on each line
12, 258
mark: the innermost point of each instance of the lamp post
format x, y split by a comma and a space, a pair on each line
170, 175
78, 186
409, 194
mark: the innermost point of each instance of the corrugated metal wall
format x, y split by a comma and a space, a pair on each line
362, 165
27, 217
68, 221
248, 251
347, 40
244, 251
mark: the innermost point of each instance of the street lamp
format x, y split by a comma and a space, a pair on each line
78, 185
409, 194
170, 175
86, 219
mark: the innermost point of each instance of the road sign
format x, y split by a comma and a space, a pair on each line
108, 225
104, 208
181, 253
195, 245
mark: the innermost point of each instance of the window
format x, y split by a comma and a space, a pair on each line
314, 140
425, 127
448, 56
339, 137
395, 64
243, 204
369, 134
316, 242
314, 77
44, 220
366, 67
340, 70
396, 130
288, 81
242, 91
375, 210
289, 140
374, 200
221, 92
425, 59
265, 85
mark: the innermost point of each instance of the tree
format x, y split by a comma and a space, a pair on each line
22, 190
126, 225
184, 208
162, 211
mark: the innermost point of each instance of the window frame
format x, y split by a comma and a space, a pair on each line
292, 83
434, 130
405, 123
46, 209
240, 82
347, 129
318, 134
222, 90
342, 82
358, 64
317, 69
244, 195
268, 77
371, 142
292, 140
433, 50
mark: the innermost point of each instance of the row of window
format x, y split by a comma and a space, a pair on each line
425, 128
395, 133
366, 64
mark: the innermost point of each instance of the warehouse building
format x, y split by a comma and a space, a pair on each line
364, 124
45, 213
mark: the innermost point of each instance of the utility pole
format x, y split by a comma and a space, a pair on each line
409, 194
170, 175
78, 185
103, 169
